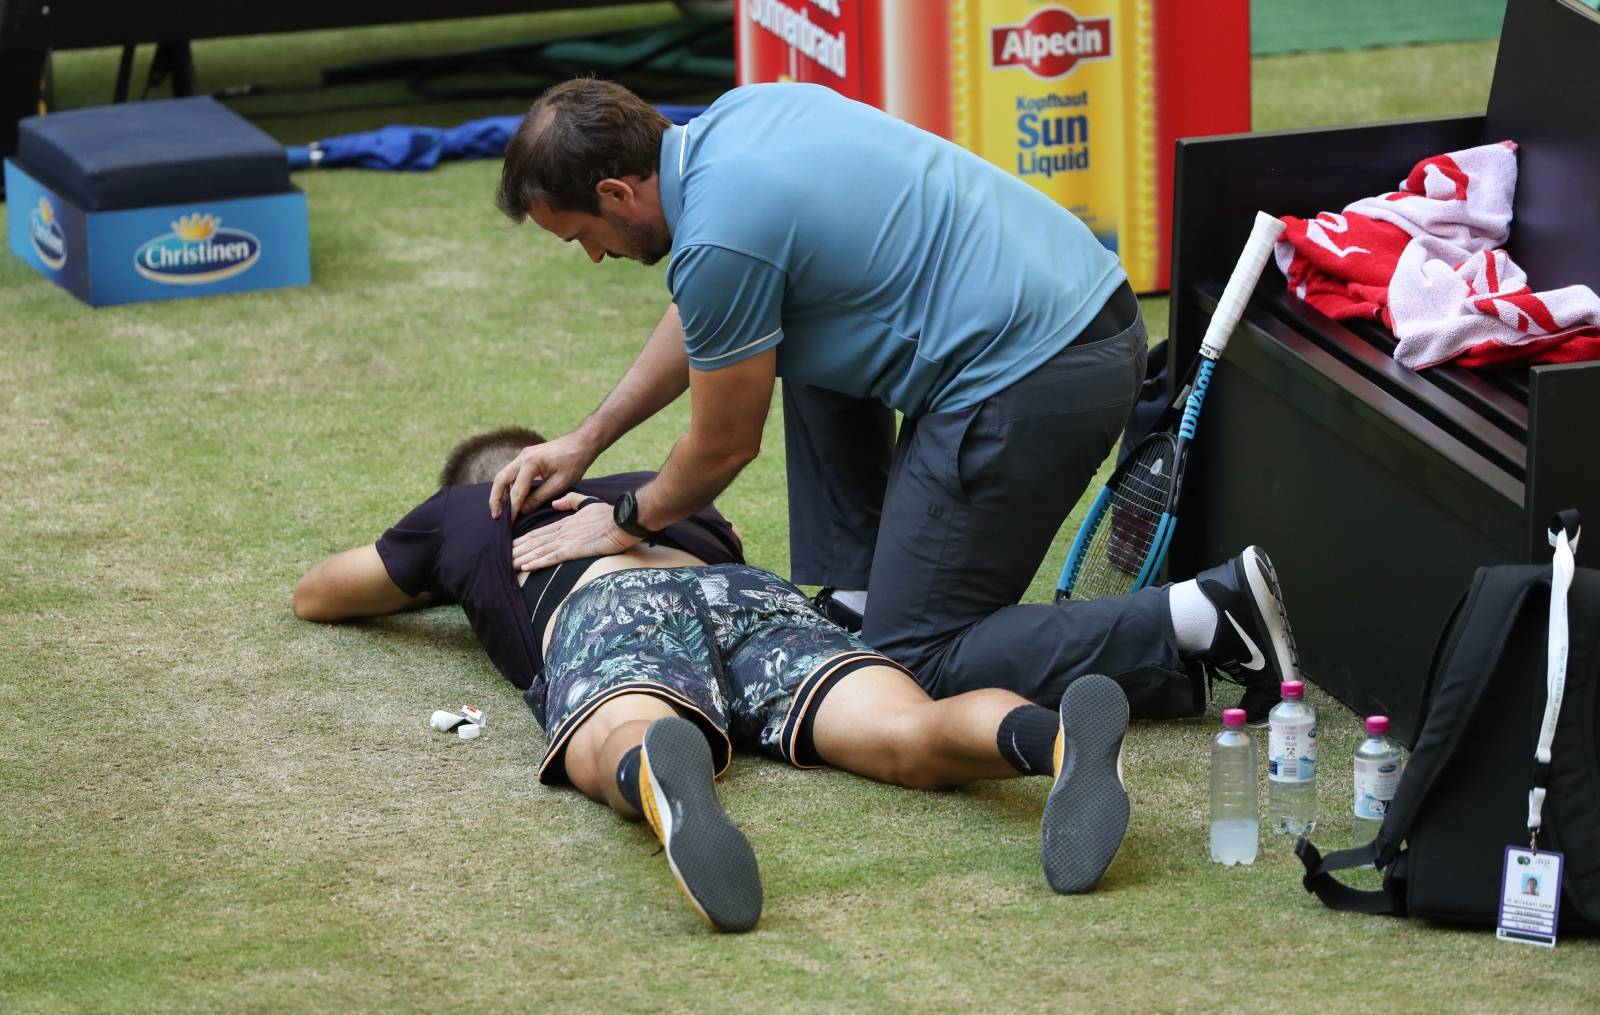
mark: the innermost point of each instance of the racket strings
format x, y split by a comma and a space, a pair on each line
1125, 534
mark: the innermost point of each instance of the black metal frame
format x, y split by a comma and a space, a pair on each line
30, 29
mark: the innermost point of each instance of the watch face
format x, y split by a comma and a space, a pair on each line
626, 514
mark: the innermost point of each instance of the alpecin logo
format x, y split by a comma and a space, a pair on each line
1050, 43
197, 250
49, 242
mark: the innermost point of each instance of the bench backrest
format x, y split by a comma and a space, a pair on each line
1544, 98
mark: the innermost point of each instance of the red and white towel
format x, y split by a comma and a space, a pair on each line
1426, 261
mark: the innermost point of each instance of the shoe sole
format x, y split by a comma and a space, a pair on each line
710, 858
1086, 815
1264, 587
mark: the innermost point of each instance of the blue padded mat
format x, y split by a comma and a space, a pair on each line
135, 154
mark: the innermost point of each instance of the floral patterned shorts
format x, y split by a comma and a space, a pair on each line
736, 649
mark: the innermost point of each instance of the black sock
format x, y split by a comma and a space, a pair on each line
628, 778
1027, 739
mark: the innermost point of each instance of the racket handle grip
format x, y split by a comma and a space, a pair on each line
1263, 235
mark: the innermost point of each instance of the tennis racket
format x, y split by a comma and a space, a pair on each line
1123, 541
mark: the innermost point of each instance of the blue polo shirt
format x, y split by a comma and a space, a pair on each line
880, 260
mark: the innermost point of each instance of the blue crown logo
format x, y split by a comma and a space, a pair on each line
49, 240
196, 251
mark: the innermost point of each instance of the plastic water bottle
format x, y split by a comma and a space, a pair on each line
1235, 810
1292, 763
1377, 776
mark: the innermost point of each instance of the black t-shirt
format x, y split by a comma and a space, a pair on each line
450, 548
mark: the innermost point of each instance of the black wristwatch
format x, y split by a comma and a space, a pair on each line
626, 515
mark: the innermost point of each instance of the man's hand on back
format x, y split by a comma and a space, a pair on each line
555, 465
587, 532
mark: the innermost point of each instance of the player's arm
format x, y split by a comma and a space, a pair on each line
349, 585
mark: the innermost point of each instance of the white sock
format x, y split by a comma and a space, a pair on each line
1194, 619
853, 599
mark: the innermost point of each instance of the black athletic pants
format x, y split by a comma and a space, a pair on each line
946, 525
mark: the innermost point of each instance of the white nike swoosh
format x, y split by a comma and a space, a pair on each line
1257, 660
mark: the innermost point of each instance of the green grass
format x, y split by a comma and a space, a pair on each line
205, 804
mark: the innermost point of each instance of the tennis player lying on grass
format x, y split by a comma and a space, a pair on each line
647, 668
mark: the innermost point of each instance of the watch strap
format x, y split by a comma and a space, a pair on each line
626, 516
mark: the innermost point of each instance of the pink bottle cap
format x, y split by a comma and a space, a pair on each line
1233, 718
1377, 725
1294, 690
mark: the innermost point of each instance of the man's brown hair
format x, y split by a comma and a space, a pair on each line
479, 457
578, 133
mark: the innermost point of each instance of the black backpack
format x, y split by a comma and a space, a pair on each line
1465, 795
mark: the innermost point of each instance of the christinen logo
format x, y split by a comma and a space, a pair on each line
49, 242
197, 250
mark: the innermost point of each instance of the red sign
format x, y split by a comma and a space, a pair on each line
1050, 43
802, 40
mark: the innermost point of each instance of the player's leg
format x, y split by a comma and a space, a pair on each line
785, 666
637, 721
876, 721
639, 756
602, 756
809, 692
710, 857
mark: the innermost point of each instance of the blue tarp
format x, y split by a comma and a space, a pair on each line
417, 149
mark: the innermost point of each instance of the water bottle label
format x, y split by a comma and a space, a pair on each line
1376, 782
1292, 751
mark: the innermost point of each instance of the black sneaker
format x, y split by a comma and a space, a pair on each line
1086, 814
710, 858
836, 611
1253, 645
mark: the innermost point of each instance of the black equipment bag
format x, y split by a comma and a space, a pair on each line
1465, 796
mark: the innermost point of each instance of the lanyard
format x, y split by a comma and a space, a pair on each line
1555, 677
